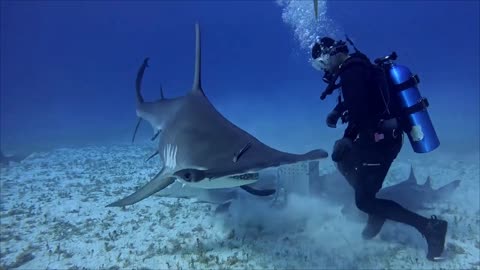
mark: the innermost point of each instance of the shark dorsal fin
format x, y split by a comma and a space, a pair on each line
161, 92
411, 177
428, 183
197, 83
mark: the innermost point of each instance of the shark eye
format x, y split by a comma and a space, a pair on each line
188, 175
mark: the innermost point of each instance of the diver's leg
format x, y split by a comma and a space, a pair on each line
376, 160
373, 227
349, 167
434, 230
388, 209
370, 181
365, 167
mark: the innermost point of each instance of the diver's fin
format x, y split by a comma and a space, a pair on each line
154, 154
315, 8
136, 129
258, 192
159, 182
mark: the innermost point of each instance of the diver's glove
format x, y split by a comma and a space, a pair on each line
341, 147
332, 119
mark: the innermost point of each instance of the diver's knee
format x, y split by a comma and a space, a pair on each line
364, 203
341, 148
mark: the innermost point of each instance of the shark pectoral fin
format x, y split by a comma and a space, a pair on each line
159, 182
258, 192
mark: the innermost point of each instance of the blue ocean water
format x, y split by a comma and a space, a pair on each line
68, 68
67, 82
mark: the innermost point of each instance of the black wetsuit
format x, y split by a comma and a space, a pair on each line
366, 164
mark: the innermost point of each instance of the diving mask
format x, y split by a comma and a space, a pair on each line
324, 51
321, 63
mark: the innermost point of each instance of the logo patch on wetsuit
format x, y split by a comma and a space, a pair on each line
416, 133
378, 136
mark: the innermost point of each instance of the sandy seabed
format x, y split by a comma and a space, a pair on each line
53, 216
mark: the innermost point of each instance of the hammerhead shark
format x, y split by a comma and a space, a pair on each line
332, 187
201, 148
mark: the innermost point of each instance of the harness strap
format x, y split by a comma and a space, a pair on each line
421, 105
411, 82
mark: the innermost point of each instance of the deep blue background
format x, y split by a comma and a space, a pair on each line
68, 68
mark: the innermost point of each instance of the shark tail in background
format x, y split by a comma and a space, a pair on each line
447, 189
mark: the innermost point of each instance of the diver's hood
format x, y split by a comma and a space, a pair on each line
324, 51
321, 63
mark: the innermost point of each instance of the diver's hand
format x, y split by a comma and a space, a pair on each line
341, 147
332, 119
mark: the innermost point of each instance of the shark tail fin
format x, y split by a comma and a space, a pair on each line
447, 189
197, 83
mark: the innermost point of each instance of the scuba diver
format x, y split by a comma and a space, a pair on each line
374, 134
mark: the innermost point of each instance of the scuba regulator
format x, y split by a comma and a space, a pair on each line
328, 46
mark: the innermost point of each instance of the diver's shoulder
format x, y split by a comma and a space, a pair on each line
358, 57
355, 59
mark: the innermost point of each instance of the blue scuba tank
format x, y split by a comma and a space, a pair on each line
413, 109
